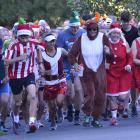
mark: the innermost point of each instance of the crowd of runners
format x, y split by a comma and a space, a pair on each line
89, 66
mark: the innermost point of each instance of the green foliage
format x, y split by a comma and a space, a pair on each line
107, 7
134, 7
53, 11
56, 11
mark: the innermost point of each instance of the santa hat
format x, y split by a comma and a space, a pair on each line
43, 25
74, 19
116, 27
49, 37
35, 28
23, 29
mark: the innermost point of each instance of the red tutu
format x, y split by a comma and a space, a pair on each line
119, 84
51, 91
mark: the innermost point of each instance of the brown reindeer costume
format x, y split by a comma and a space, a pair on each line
89, 49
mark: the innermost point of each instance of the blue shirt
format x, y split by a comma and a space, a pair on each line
65, 40
2, 70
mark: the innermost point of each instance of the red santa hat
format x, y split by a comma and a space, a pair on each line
23, 29
35, 28
116, 27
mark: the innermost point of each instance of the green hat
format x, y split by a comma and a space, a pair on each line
21, 20
74, 19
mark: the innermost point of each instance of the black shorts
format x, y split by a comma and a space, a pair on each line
18, 84
40, 88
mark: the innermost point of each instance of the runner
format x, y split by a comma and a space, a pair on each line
4, 90
21, 59
119, 71
65, 40
130, 33
52, 68
136, 61
38, 78
90, 52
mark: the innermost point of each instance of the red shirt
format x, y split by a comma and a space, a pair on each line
121, 59
21, 69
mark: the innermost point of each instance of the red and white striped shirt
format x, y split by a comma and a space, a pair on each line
21, 69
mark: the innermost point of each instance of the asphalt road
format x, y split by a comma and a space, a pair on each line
127, 129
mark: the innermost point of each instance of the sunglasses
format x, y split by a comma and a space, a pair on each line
92, 29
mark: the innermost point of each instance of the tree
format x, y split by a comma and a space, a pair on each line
108, 7
52, 11
55, 12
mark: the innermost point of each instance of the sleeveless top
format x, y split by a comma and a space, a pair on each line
54, 64
138, 49
92, 51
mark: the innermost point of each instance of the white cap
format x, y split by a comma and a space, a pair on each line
50, 37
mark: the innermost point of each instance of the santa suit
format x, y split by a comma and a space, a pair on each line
118, 79
136, 68
55, 82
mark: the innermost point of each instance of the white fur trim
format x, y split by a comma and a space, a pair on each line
53, 60
75, 24
35, 30
118, 94
121, 34
115, 30
54, 82
24, 32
